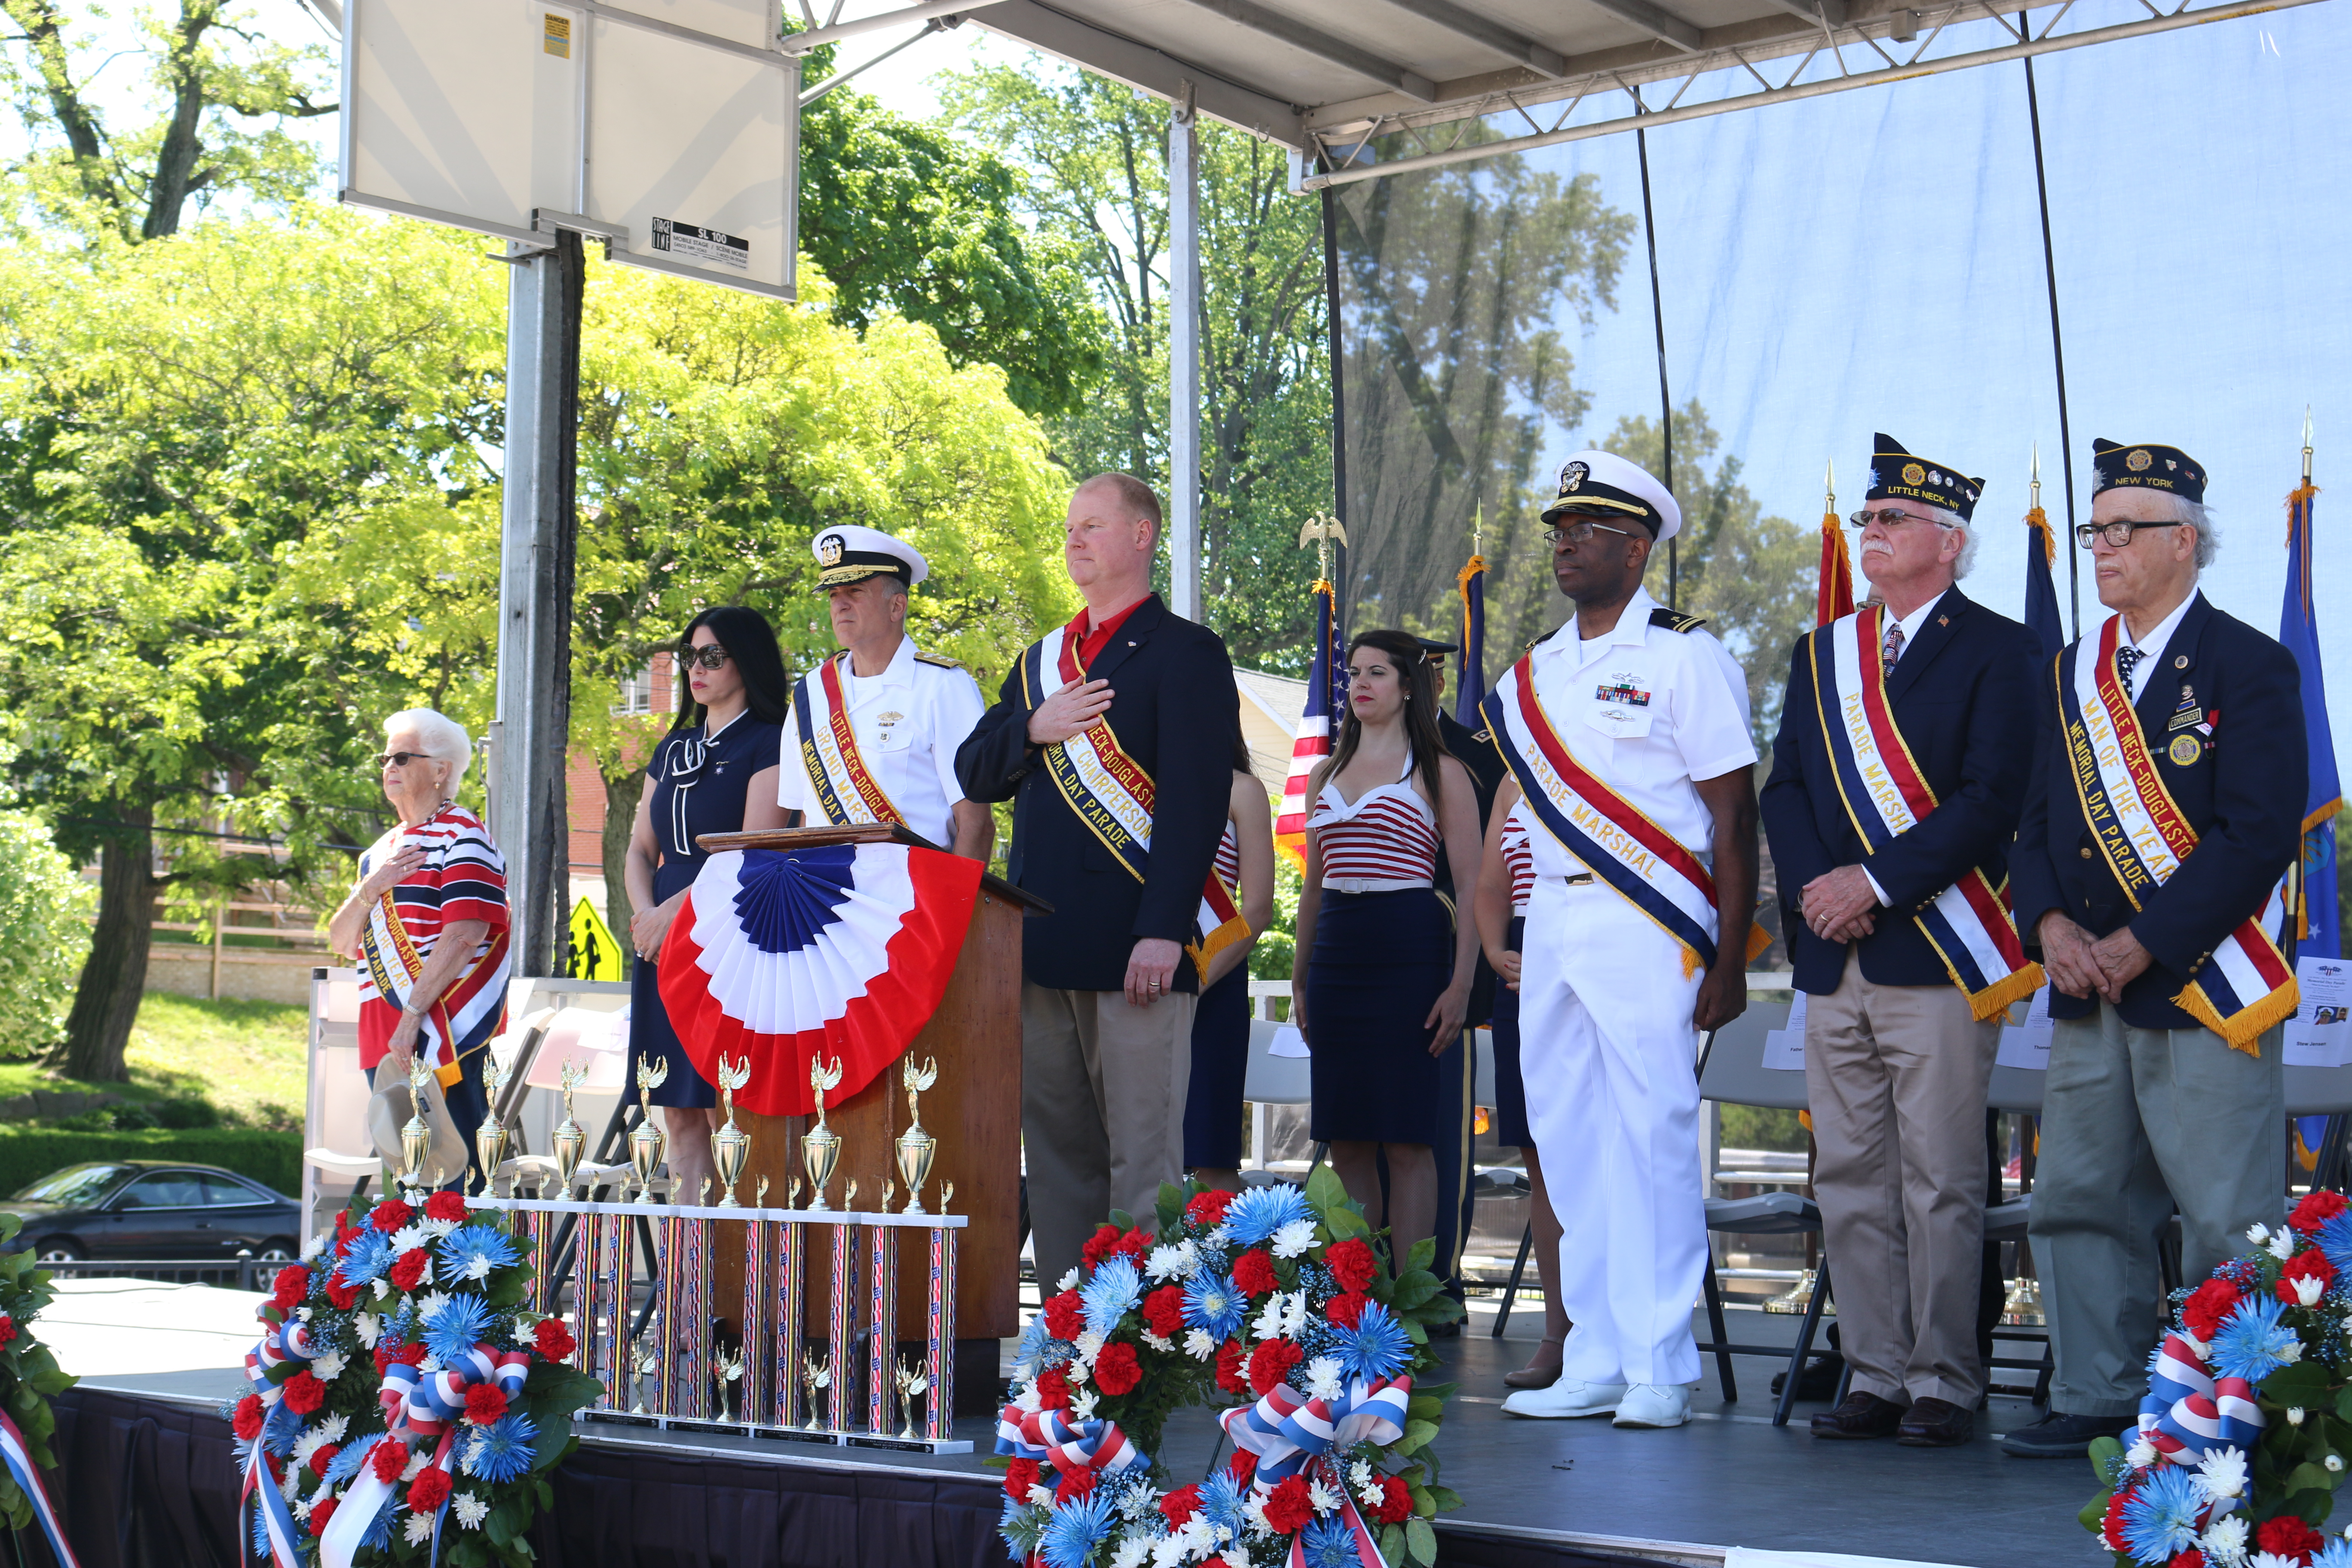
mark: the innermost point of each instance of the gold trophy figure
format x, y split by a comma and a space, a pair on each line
702, 1198
947, 1195
760, 1194
417, 1137
649, 1142
819, 1145
815, 1376
912, 1384
490, 1137
731, 1146
728, 1370
643, 1364
570, 1139
792, 1194
916, 1148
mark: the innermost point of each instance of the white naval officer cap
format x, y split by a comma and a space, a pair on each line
846, 552
1605, 482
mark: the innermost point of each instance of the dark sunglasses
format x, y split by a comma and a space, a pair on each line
710, 656
399, 759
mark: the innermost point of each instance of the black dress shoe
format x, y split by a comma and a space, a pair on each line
1861, 1416
1935, 1423
1819, 1381
2061, 1437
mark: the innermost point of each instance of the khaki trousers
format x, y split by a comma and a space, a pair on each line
1102, 1111
2135, 1122
1896, 1076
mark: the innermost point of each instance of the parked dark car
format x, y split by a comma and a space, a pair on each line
155, 1210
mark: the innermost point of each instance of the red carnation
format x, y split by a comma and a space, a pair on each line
2287, 1536
1345, 1311
1270, 1364
1396, 1501
446, 1205
277, 1467
2201, 1314
304, 1393
429, 1490
292, 1284
485, 1403
323, 1457
1116, 1371
1066, 1318
344, 1297
7, 1329
388, 1459
1164, 1310
2111, 1529
1209, 1207
408, 1269
1135, 1244
1351, 1263
391, 1214
1019, 1477
1052, 1390
1180, 1506
410, 1354
554, 1341
2316, 1210
1229, 1368
1099, 1246
2189, 1558
2309, 1264
1077, 1484
1253, 1273
319, 1514
1242, 1465
247, 1421
1289, 1505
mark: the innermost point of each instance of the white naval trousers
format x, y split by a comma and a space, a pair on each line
1609, 1057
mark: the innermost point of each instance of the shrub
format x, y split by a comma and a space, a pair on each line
185, 1114
43, 937
273, 1159
135, 1118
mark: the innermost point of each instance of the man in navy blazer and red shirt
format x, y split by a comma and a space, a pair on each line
1107, 991
1896, 1055
2147, 1103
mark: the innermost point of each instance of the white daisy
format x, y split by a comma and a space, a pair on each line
1198, 1344
369, 1327
408, 1238
1359, 1474
2140, 1455
327, 1367
1155, 1342
2273, 1560
1075, 1371
1369, 1496
308, 1445
471, 1510
1082, 1404
1069, 1281
334, 1426
416, 1463
1041, 1494
1325, 1379
382, 1288
418, 1530
430, 1365
316, 1244
2282, 1244
1028, 1401
1089, 1345
2295, 1412
2308, 1288
437, 1228
1293, 1239
2224, 1541
477, 1267
2221, 1473
300, 1508
1166, 1262
2291, 1351
302, 1313
1132, 1552
430, 1305
1169, 1551
1324, 1499
1269, 1319
2258, 1233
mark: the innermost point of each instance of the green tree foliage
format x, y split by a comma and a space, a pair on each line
44, 907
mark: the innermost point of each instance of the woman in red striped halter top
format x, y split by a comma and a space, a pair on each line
1382, 972
1505, 880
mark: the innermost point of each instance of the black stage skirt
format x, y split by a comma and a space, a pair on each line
1510, 1089
1213, 1102
650, 1035
1381, 961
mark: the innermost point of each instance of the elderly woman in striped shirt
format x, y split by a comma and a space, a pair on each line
428, 920
1382, 974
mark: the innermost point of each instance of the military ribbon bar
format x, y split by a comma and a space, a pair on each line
846, 788
1969, 924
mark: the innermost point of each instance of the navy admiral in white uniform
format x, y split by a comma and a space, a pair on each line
1627, 730
873, 729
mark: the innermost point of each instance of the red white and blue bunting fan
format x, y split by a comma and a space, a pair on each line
786, 956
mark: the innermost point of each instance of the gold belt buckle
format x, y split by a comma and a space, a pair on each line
1578, 878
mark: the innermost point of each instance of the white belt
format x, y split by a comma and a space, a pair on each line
1372, 884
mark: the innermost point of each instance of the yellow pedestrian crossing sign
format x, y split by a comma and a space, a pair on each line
594, 954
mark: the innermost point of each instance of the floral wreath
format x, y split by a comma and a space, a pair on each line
432, 1445
2244, 1434
1277, 1302
29, 1378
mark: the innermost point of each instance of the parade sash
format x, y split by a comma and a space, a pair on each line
1969, 924
2246, 986
394, 964
1592, 822
846, 789
1113, 795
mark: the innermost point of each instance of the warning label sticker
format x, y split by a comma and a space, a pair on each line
706, 246
557, 38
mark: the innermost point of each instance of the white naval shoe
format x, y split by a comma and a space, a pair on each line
1567, 1398
1655, 1404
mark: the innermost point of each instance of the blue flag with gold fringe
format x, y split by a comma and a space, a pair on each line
2313, 905
1472, 581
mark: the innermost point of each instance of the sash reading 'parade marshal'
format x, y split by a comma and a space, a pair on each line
2167, 804
1112, 736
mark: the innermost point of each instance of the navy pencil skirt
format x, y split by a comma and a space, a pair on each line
1381, 963
1213, 1100
1510, 1089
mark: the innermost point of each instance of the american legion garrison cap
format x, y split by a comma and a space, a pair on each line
2119, 467
1898, 473
848, 553
1602, 482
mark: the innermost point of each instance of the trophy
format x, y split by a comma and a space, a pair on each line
792, 1194
490, 1137
728, 1372
912, 1384
916, 1148
647, 1142
417, 1137
644, 1364
731, 1145
760, 1194
814, 1375
819, 1145
570, 1139
947, 1195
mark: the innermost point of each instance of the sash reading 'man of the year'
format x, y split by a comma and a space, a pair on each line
1969, 924
1592, 822
1113, 795
846, 789
2246, 986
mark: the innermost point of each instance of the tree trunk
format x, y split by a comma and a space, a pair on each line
175, 160
106, 1003
621, 795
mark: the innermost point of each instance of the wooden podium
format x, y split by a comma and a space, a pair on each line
974, 1112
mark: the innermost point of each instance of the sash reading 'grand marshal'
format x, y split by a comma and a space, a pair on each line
1113, 795
394, 964
1969, 924
1603, 829
2246, 986
846, 789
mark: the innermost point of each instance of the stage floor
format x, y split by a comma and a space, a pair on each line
1583, 1488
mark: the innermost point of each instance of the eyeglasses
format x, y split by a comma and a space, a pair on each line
399, 759
2118, 535
1888, 519
710, 656
1582, 531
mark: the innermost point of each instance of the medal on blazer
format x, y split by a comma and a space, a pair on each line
1113, 795
1969, 924
846, 788
2246, 985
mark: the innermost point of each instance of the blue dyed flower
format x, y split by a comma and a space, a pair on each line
502, 1451
1037, 1349
1114, 1291
460, 1325
1076, 1528
2337, 1553
2160, 1517
369, 1254
1258, 1213
1221, 1498
2335, 1239
1214, 1304
1329, 1543
347, 1461
2251, 1342
1020, 1525
261, 1520
471, 1251
1376, 1347
379, 1531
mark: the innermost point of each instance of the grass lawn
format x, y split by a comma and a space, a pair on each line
247, 1059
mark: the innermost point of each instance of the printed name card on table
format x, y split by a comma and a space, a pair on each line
2028, 1048
2320, 1033
1784, 1048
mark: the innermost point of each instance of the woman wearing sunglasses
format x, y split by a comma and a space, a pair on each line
715, 772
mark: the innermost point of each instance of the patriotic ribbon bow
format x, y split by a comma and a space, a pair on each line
1289, 1433
281, 1342
2188, 1411
1053, 1437
430, 1404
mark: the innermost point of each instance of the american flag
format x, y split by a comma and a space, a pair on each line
1326, 686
